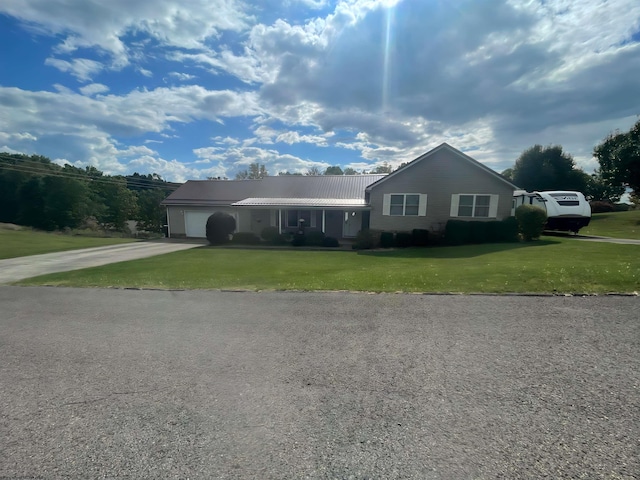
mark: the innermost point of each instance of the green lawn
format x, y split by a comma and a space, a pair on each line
614, 224
19, 243
552, 265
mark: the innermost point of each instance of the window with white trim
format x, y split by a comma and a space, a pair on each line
404, 204
474, 205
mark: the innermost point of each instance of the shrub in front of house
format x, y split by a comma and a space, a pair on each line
403, 239
299, 240
457, 232
479, 232
314, 239
508, 230
245, 238
531, 221
270, 234
219, 227
365, 239
386, 239
419, 237
330, 242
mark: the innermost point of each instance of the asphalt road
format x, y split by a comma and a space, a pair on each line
14, 269
153, 384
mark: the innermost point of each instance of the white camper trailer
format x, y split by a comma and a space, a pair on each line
566, 211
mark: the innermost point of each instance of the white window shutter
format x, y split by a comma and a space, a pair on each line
422, 206
455, 200
493, 206
386, 204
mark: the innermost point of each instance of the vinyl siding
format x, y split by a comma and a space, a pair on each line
438, 176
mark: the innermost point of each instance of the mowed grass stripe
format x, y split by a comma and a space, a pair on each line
546, 266
20, 243
614, 224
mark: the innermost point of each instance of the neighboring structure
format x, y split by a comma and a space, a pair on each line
441, 184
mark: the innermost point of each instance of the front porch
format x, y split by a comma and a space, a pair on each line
336, 223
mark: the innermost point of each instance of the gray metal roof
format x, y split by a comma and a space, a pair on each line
289, 187
302, 202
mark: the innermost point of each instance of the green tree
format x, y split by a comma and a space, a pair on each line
350, 171
384, 168
508, 174
313, 171
335, 170
289, 173
599, 189
254, 172
548, 168
619, 158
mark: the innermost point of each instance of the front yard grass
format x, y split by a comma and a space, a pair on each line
20, 243
546, 266
614, 224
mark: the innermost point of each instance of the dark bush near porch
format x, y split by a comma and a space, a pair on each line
245, 238
365, 240
219, 226
270, 234
299, 240
479, 232
508, 230
330, 242
403, 239
457, 232
314, 239
386, 240
419, 237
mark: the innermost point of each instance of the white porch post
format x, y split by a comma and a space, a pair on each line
279, 220
323, 229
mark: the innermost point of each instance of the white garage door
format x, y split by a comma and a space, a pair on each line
196, 224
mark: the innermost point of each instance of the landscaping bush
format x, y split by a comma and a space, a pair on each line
330, 242
419, 237
270, 234
507, 230
457, 232
314, 239
531, 221
219, 226
299, 240
403, 239
365, 239
479, 232
245, 238
493, 231
386, 239
598, 206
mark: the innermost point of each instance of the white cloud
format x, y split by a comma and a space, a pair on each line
93, 89
81, 68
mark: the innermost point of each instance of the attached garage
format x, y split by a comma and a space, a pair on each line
196, 223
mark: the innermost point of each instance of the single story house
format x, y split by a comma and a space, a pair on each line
443, 183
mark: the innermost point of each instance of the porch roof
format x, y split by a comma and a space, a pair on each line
302, 202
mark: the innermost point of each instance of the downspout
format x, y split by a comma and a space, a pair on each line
280, 221
323, 225
168, 224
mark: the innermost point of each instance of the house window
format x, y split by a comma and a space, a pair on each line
474, 206
294, 216
404, 204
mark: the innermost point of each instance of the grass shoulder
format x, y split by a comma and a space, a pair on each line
614, 224
22, 241
546, 266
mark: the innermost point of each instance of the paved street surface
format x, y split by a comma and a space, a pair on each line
151, 384
14, 269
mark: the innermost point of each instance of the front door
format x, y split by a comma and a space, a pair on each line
352, 223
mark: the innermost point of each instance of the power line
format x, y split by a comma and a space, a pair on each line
140, 182
79, 177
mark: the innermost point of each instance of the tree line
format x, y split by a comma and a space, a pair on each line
36, 192
257, 170
550, 168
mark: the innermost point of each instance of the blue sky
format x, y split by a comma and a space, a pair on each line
201, 88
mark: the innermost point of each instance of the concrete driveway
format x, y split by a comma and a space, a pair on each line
102, 383
14, 269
